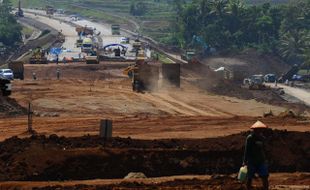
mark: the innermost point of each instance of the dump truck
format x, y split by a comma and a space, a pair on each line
49, 10
115, 29
87, 45
5, 87
18, 69
84, 30
38, 56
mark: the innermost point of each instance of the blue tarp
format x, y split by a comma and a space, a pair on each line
55, 51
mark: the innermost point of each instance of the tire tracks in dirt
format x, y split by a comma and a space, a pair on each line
178, 106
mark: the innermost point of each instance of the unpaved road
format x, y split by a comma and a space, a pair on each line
301, 94
67, 30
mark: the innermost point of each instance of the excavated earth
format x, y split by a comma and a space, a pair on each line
41, 158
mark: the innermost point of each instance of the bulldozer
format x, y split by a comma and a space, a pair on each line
38, 56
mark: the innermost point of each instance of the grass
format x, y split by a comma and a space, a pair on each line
27, 31
162, 58
303, 72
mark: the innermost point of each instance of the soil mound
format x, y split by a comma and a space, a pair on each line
89, 157
9, 107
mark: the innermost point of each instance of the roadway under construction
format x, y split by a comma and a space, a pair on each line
177, 130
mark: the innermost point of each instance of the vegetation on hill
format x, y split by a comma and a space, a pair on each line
10, 30
230, 24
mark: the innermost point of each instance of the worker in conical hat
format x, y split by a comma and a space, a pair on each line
254, 155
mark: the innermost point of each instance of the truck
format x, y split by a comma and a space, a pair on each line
49, 10
5, 87
188, 55
87, 45
18, 69
115, 28
255, 82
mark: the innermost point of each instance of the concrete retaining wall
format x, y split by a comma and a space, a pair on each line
149, 75
171, 74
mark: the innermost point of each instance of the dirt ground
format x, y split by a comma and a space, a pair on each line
90, 157
74, 105
184, 132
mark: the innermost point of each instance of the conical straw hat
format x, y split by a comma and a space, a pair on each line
258, 125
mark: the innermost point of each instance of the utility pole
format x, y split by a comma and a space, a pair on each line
30, 113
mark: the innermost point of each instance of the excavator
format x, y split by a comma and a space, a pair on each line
132, 72
19, 12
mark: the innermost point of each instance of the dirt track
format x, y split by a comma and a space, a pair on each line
74, 105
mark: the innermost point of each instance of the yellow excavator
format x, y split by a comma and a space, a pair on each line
132, 72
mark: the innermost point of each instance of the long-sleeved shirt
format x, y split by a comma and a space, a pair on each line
254, 150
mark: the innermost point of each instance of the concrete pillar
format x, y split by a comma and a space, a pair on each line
149, 75
171, 74
105, 128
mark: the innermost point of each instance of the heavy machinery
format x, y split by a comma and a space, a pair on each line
19, 12
5, 87
270, 78
133, 72
288, 76
136, 45
84, 30
60, 38
87, 45
115, 29
79, 42
92, 58
38, 56
50, 10
255, 82
188, 55
18, 69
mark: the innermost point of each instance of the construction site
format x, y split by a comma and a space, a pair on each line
93, 107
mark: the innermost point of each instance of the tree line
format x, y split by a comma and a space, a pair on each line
283, 29
10, 29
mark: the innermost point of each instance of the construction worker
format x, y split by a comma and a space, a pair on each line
254, 155
57, 59
34, 76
